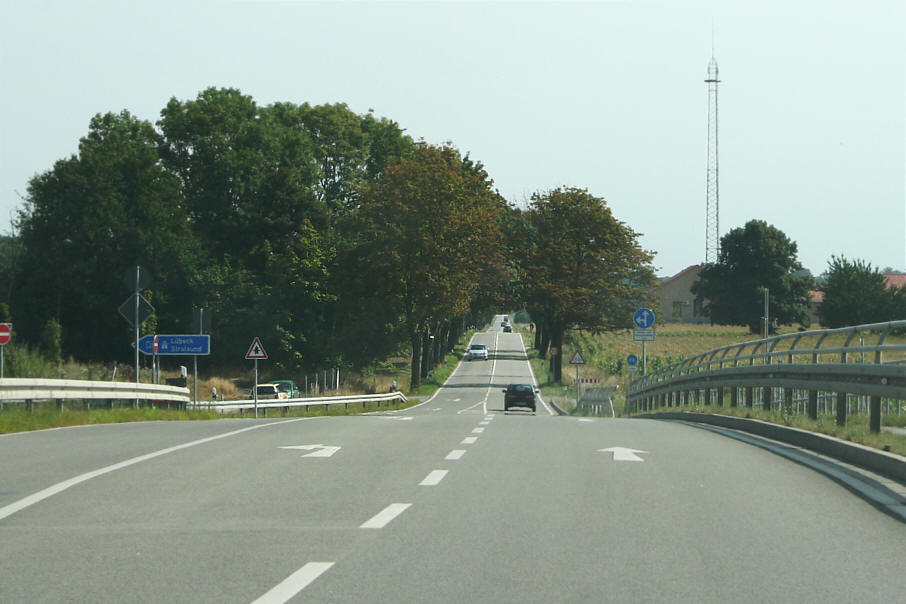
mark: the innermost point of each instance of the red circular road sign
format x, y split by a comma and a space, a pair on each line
6, 332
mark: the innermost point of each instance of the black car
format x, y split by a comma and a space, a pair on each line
519, 395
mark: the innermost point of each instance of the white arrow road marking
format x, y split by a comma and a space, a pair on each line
384, 517
317, 450
624, 454
433, 479
294, 583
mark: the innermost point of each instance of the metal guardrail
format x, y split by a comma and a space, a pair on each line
829, 362
30, 389
327, 401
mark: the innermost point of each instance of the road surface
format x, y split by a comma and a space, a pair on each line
450, 501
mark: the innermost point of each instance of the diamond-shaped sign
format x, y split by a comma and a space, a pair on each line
127, 309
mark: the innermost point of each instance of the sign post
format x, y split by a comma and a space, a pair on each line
644, 322
256, 351
6, 334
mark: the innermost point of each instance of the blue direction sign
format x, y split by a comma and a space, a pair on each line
643, 318
176, 345
632, 360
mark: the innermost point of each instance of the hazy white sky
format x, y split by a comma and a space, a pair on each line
607, 96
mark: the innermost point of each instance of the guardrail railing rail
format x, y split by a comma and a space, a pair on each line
833, 366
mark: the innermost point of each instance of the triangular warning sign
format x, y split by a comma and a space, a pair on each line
577, 359
256, 350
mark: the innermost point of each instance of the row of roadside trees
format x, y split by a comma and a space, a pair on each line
333, 236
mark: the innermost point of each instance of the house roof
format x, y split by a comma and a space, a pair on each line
688, 269
895, 280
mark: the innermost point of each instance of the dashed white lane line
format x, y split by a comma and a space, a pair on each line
477, 430
455, 454
483, 423
433, 479
294, 583
469, 440
383, 518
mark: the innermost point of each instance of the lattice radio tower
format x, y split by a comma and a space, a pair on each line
712, 190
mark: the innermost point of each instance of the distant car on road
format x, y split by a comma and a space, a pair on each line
507, 328
289, 387
270, 391
477, 351
519, 395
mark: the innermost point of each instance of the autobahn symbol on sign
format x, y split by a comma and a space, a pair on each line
256, 350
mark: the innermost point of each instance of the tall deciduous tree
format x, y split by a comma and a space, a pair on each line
752, 258
585, 268
854, 293
426, 227
84, 222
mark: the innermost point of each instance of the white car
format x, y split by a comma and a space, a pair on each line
477, 351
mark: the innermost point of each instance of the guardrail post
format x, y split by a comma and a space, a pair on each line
720, 396
813, 404
750, 397
767, 402
841, 408
874, 420
734, 396
787, 400
708, 396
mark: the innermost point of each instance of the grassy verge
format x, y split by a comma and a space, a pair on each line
856, 428
21, 420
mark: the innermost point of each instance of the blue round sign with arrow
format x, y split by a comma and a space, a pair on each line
643, 318
632, 360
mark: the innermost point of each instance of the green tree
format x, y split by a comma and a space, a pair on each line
426, 228
84, 222
585, 268
752, 258
855, 293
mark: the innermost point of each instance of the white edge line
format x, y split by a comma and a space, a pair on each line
534, 379
16, 506
294, 583
433, 479
383, 518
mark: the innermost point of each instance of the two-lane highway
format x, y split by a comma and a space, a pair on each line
449, 501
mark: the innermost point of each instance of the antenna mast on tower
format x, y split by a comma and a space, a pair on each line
712, 192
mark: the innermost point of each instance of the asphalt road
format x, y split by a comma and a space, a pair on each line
450, 501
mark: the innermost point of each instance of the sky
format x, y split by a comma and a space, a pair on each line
607, 96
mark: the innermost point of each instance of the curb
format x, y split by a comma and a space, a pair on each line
886, 464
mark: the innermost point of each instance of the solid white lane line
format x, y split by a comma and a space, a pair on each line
12, 508
294, 583
468, 440
534, 380
477, 430
384, 517
433, 478
455, 454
